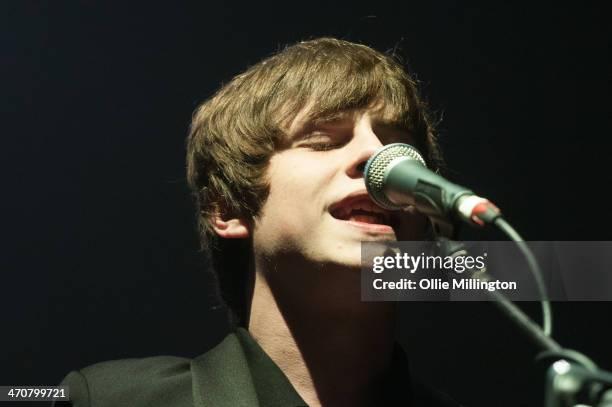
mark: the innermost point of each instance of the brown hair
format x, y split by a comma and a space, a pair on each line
234, 133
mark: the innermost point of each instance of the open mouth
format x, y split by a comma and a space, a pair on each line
362, 210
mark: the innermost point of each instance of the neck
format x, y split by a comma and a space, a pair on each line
331, 346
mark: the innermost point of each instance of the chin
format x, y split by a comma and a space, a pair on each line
349, 258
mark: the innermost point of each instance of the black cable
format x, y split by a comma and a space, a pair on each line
535, 271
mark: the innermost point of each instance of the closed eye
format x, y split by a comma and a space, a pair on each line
322, 141
323, 146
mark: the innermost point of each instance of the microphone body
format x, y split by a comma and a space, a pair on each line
396, 176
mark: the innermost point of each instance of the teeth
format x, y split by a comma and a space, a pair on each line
365, 205
369, 207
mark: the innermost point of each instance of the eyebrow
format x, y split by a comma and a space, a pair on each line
329, 119
337, 117
325, 119
391, 124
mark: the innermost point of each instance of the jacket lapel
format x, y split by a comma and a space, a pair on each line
221, 377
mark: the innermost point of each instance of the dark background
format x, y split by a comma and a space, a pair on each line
99, 250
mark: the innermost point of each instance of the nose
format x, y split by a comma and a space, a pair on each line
366, 143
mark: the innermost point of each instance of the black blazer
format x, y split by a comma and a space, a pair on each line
235, 373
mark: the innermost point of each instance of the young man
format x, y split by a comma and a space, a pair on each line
275, 160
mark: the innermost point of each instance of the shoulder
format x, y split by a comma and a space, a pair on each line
160, 380
151, 368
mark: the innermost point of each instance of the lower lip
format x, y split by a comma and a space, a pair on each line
371, 227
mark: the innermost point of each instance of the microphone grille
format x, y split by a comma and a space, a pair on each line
377, 166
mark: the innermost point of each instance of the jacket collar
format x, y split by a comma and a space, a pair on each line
237, 372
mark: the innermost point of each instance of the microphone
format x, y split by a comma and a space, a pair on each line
396, 177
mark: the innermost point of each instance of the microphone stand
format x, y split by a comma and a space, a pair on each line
572, 378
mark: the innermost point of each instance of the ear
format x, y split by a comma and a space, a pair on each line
232, 228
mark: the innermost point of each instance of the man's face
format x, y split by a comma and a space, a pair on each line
318, 210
